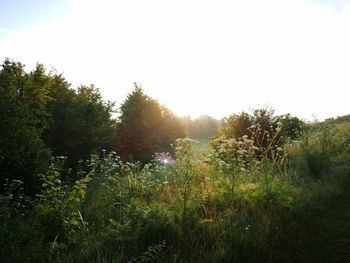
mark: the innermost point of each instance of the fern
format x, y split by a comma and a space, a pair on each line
154, 253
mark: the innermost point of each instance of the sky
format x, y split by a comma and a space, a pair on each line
214, 57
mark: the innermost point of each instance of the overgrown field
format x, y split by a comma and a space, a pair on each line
233, 202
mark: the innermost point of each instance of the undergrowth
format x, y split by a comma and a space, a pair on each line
237, 202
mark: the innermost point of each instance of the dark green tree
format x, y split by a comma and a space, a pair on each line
237, 125
80, 121
144, 127
291, 126
23, 98
40, 113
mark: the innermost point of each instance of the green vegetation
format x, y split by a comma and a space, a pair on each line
201, 128
265, 188
144, 127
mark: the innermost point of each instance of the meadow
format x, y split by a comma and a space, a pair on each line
227, 201
80, 184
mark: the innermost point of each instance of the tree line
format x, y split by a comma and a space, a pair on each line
42, 115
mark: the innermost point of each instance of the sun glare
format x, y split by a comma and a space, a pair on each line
233, 56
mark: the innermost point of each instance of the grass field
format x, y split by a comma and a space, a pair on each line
217, 203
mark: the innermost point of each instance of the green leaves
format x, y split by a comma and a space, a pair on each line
81, 121
74, 222
78, 191
144, 127
153, 253
23, 98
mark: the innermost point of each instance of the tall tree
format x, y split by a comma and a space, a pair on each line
40, 113
80, 121
144, 127
23, 98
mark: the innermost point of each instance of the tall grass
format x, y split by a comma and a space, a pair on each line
236, 203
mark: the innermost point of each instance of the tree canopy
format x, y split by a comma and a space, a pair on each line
23, 98
80, 122
144, 127
42, 116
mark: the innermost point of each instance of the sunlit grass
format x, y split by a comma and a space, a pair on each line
224, 204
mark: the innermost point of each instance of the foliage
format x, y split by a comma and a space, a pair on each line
184, 169
321, 148
201, 128
291, 126
59, 202
224, 206
41, 115
23, 98
237, 125
256, 195
144, 127
152, 254
266, 131
80, 122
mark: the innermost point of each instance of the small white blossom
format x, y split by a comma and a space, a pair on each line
221, 163
222, 150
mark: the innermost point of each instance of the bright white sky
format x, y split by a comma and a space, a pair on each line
197, 57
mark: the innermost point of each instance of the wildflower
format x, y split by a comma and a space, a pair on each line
221, 163
57, 181
222, 150
231, 142
221, 139
207, 159
241, 152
